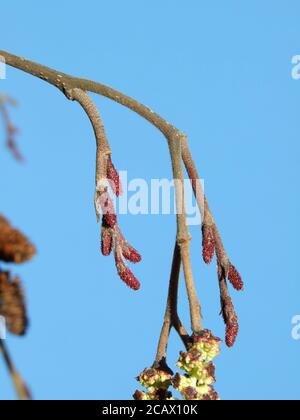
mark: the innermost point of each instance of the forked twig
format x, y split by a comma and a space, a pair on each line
171, 318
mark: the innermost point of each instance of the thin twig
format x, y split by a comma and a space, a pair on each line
183, 236
21, 388
171, 318
67, 83
103, 148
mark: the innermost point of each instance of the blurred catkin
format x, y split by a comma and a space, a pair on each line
14, 246
12, 304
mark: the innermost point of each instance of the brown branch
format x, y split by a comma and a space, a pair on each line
69, 86
75, 89
67, 83
21, 388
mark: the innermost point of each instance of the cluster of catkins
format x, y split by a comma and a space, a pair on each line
198, 380
14, 248
112, 239
212, 245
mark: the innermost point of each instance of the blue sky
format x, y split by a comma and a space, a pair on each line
220, 71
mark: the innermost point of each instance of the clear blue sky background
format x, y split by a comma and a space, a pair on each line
219, 70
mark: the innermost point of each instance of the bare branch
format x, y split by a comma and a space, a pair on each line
75, 89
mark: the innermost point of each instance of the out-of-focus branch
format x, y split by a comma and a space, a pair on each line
21, 388
11, 130
14, 248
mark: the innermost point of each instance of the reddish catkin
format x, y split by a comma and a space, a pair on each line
232, 330
131, 254
235, 278
106, 242
125, 274
208, 244
108, 210
114, 178
12, 304
231, 321
128, 252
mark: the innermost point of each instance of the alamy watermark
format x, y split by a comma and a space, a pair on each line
296, 67
296, 328
159, 197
